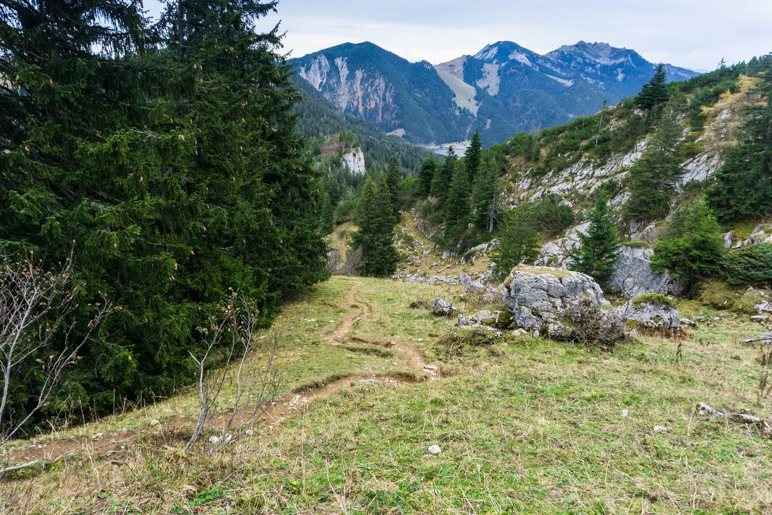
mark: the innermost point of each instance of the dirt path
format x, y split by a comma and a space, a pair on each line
279, 411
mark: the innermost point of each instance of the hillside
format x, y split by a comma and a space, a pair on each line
500, 90
370, 383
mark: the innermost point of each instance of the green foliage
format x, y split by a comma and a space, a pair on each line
655, 92
552, 216
599, 248
394, 189
457, 207
749, 266
518, 240
742, 187
173, 167
484, 192
443, 175
472, 156
652, 179
655, 298
426, 174
690, 246
375, 237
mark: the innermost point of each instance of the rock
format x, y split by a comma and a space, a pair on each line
519, 333
763, 307
651, 315
497, 319
685, 322
546, 290
443, 308
154, 423
97, 436
435, 450
625, 413
214, 439
730, 239
660, 429
761, 319
633, 275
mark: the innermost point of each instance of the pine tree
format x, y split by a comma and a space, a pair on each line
373, 217
394, 181
653, 178
473, 156
426, 174
599, 248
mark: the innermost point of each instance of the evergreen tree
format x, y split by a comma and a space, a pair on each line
426, 174
652, 180
175, 170
599, 248
742, 187
518, 240
443, 175
457, 207
484, 196
373, 216
394, 181
690, 246
653, 93
473, 156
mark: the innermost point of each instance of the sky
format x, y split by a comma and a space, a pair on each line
694, 34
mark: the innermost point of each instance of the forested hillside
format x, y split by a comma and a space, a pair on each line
162, 157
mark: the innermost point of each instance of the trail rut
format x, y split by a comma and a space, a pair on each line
279, 410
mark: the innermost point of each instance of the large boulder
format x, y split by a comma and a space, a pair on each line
651, 312
633, 275
538, 296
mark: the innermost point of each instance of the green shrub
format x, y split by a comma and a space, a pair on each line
750, 265
654, 298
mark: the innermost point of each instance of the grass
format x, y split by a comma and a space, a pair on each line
524, 425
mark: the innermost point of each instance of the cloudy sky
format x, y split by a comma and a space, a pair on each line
694, 34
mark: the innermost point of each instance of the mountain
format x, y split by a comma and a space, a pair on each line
502, 89
397, 96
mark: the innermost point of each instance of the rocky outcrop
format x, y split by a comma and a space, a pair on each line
538, 297
633, 275
650, 313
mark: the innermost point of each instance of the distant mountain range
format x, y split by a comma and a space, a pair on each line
501, 90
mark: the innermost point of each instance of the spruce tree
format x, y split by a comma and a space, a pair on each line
599, 248
484, 192
443, 175
742, 187
517, 240
473, 156
373, 217
690, 246
457, 207
394, 181
652, 180
654, 92
426, 174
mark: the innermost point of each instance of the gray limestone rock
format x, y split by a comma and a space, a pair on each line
633, 275
651, 316
443, 308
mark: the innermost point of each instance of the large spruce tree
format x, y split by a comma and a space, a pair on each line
375, 236
171, 166
599, 248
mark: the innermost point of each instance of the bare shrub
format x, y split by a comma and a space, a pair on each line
230, 341
38, 331
592, 325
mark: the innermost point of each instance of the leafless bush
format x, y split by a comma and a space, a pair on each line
591, 324
255, 376
765, 385
38, 329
